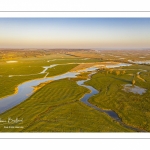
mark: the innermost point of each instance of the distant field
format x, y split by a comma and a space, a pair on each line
60, 69
29, 68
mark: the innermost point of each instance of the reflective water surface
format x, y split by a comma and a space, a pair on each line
110, 113
134, 89
26, 89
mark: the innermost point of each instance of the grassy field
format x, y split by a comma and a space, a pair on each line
132, 108
56, 108
28, 69
8, 85
60, 69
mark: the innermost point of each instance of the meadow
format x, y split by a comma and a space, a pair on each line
56, 105
132, 108
13, 74
57, 108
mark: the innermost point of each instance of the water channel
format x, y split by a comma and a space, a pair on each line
26, 89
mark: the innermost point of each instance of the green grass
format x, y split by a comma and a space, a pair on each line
60, 69
24, 67
56, 108
8, 84
132, 108
27, 66
135, 66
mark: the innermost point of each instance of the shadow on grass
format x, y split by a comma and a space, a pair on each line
124, 80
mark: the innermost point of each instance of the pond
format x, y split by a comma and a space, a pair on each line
134, 89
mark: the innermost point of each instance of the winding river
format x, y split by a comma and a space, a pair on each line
110, 113
26, 89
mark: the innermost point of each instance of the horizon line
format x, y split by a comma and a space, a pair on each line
75, 48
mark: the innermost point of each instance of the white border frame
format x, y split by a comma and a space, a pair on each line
73, 14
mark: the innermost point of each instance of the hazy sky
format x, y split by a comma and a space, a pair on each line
75, 33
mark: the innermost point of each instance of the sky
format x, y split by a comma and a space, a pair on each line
88, 33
